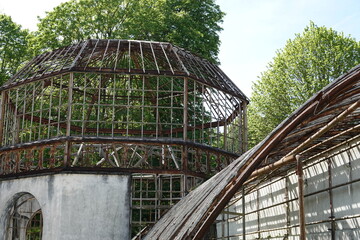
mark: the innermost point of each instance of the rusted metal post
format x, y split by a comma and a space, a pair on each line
67, 157
225, 137
287, 206
245, 135
185, 125
243, 214
300, 174
2, 115
240, 130
258, 212
332, 212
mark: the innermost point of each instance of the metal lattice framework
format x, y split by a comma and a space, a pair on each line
328, 120
118, 105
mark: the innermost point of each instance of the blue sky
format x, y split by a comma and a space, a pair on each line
253, 29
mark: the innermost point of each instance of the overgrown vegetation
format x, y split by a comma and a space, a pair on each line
13, 47
304, 66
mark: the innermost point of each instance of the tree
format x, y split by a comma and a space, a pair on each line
303, 67
190, 24
13, 47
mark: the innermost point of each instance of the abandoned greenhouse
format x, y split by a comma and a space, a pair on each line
111, 131
113, 139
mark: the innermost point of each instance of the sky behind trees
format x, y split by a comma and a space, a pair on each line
253, 30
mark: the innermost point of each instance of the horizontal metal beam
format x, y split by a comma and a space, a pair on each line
126, 140
101, 170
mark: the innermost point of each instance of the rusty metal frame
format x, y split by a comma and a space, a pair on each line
121, 105
316, 121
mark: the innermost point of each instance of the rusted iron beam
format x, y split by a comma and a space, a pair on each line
332, 228
67, 154
2, 114
301, 197
271, 167
290, 156
103, 170
184, 153
326, 128
119, 140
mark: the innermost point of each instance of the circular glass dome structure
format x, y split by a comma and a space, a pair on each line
149, 108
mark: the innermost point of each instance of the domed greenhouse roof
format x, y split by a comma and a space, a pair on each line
128, 57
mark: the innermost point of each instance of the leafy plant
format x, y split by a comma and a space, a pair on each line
304, 66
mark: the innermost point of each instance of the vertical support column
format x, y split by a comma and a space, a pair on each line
258, 212
225, 137
243, 214
222, 225
228, 225
287, 206
183, 186
185, 124
240, 130
157, 183
2, 115
17, 119
67, 156
300, 174
245, 134
332, 214
17, 127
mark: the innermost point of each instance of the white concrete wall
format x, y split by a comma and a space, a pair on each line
74, 206
270, 199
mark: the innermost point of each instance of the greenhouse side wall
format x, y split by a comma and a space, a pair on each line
331, 195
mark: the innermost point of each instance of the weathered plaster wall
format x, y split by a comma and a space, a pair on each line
74, 206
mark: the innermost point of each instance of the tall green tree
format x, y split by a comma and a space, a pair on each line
13, 47
304, 66
190, 24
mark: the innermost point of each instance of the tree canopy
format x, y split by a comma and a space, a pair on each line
304, 66
193, 25
13, 47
